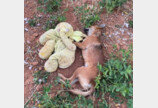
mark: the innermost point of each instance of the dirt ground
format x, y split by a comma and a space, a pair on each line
122, 36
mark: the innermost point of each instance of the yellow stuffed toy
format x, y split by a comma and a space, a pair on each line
59, 40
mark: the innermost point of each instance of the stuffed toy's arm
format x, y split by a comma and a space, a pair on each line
48, 35
77, 36
68, 42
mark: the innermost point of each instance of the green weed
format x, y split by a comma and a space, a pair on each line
53, 20
49, 6
87, 15
115, 79
32, 22
64, 100
52, 14
40, 77
57, 81
110, 5
130, 23
43, 100
130, 103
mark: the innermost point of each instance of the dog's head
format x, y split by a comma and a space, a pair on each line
94, 30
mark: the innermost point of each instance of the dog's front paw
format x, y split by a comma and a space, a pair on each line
75, 43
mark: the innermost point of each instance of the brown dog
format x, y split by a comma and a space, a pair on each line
92, 54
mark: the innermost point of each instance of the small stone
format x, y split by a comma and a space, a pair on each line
40, 80
40, 68
25, 19
35, 34
26, 29
30, 67
38, 24
28, 42
25, 62
34, 63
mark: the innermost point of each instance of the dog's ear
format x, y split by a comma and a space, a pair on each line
101, 26
86, 30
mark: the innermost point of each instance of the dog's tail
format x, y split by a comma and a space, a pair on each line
80, 92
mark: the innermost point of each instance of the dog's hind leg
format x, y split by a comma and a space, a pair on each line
64, 78
74, 76
71, 79
84, 83
88, 88
79, 92
74, 81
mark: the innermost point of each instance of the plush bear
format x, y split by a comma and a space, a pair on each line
59, 41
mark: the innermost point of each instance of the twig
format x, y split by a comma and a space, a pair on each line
31, 95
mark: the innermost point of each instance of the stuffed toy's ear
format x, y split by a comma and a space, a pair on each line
77, 36
48, 35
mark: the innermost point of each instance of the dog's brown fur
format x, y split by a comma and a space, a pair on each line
92, 54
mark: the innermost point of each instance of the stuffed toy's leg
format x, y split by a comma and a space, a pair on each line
47, 50
51, 64
62, 59
67, 57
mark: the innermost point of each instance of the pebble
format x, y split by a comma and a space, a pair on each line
28, 42
124, 39
35, 69
38, 24
26, 29
30, 67
35, 34
122, 30
122, 14
25, 19
126, 24
116, 33
34, 63
25, 62
40, 68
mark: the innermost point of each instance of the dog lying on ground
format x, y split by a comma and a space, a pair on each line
92, 54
